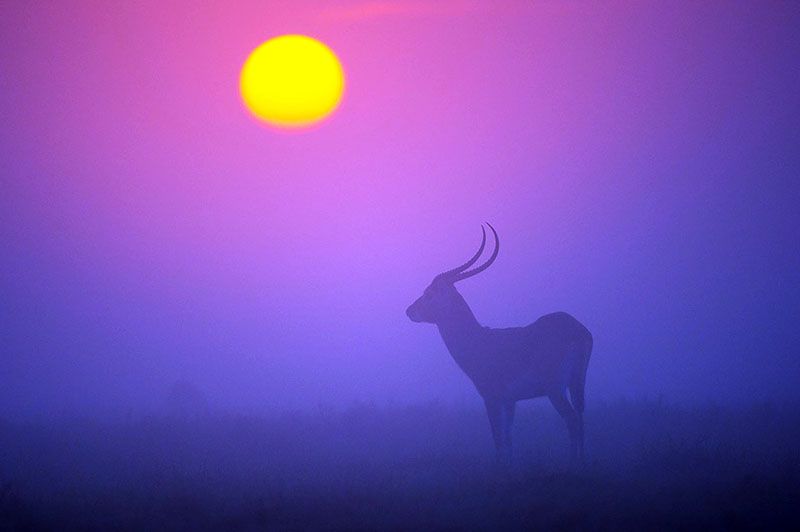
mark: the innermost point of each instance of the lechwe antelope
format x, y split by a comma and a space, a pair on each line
546, 358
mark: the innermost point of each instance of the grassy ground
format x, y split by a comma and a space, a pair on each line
650, 466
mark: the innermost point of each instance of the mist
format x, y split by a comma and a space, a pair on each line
169, 265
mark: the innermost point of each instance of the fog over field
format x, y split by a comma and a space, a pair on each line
651, 465
203, 319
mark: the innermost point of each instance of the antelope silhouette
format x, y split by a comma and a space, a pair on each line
546, 358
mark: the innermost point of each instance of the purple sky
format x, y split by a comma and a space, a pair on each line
640, 162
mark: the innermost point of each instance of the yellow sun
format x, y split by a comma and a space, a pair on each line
292, 81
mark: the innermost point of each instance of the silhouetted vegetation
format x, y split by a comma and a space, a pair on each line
649, 465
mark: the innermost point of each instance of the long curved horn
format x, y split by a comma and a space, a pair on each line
479, 269
471, 261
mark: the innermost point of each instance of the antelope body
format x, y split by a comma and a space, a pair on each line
546, 358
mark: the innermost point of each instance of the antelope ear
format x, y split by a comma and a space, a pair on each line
442, 278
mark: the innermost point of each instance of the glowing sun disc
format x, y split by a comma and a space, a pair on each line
292, 81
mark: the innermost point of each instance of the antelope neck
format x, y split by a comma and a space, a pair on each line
459, 332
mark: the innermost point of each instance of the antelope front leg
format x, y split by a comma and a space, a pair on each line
508, 423
501, 417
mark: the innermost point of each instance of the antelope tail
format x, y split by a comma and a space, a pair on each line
577, 382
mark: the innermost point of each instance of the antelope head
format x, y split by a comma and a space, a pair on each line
441, 301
